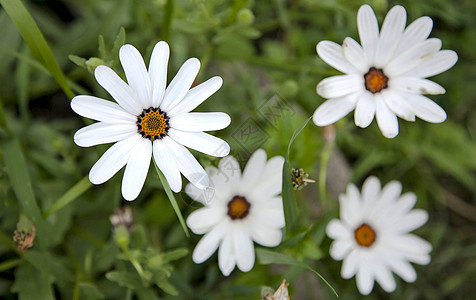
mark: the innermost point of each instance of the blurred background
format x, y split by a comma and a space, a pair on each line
265, 52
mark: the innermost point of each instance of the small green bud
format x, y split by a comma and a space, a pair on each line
93, 63
289, 88
121, 236
245, 16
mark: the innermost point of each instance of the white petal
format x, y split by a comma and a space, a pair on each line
336, 230
350, 265
368, 31
136, 169
364, 110
340, 85
226, 255
436, 64
205, 196
387, 120
355, 54
118, 89
392, 30
406, 202
425, 108
416, 85
333, 110
398, 105
340, 249
333, 54
201, 141
103, 133
414, 56
414, 244
272, 178
229, 171
266, 236
391, 192
136, 74
196, 121
413, 220
244, 250
384, 276
365, 276
208, 244
164, 158
253, 171
196, 96
416, 32
202, 220
100, 110
158, 72
270, 217
112, 160
370, 191
402, 268
181, 83
187, 164
349, 209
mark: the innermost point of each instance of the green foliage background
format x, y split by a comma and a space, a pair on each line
261, 49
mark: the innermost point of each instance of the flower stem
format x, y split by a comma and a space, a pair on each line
172, 200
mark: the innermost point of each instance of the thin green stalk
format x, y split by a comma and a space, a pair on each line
7, 265
169, 8
289, 201
172, 200
72, 194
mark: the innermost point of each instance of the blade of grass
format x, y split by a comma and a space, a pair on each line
35, 40
17, 171
167, 20
72, 194
289, 201
267, 257
172, 200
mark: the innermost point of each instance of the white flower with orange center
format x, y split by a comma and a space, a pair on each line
240, 209
151, 120
372, 235
385, 76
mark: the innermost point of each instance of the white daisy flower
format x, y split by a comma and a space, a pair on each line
385, 76
150, 120
372, 235
241, 209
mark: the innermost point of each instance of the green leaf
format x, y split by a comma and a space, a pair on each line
289, 201
167, 287
19, 176
267, 257
126, 279
35, 41
31, 284
172, 200
79, 61
72, 194
90, 291
174, 255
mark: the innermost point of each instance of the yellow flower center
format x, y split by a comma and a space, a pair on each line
375, 80
365, 235
152, 123
238, 208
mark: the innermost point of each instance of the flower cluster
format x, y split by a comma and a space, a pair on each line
385, 77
